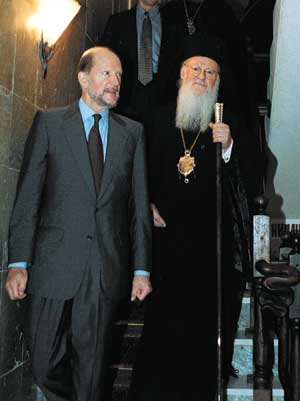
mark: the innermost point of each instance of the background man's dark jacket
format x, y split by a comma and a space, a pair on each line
120, 35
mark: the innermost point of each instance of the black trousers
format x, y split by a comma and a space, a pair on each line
69, 340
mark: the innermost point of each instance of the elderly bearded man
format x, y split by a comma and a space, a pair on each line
179, 339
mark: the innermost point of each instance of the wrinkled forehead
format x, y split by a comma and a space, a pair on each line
105, 59
148, 2
202, 61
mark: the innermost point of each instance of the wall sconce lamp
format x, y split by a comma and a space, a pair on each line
49, 21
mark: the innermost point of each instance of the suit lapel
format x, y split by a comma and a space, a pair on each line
116, 140
74, 131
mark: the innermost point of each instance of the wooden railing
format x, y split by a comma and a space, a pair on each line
276, 314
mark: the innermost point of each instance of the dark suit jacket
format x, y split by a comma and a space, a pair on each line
120, 35
57, 216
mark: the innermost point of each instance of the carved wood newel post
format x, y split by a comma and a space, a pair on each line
276, 313
263, 352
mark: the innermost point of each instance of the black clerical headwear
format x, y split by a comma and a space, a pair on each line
205, 45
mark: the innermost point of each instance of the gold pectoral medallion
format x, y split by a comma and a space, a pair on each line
186, 165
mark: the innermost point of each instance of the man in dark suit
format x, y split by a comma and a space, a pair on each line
80, 219
123, 33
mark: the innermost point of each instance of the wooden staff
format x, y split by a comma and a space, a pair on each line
219, 119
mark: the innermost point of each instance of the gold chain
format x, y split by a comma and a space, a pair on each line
184, 144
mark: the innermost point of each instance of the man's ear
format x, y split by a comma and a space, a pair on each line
183, 72
83, 79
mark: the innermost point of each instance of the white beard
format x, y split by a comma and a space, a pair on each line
195, 111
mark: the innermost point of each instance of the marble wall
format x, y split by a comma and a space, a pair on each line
22, 92
283, 127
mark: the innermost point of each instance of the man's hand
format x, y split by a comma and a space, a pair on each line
141, 287
158, 221
16, 283
221, 133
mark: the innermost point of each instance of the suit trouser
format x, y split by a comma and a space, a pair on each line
69, 340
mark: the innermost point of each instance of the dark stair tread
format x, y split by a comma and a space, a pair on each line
125, 351
119, 395
122, 376
131, 313
125, 345
130, 332
127, 333
241, 385
128, 329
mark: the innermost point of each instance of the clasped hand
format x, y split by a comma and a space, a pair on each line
221, 133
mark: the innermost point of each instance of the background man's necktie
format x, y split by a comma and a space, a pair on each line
96, 152
145, 74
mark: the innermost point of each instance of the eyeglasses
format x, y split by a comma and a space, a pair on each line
208, 72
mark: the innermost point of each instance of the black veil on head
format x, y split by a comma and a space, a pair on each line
205, 45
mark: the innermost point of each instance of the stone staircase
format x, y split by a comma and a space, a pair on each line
127, 334
128, 330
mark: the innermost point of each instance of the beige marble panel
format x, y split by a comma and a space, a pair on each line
8, 181
22, 116
27, 60
80, 18
97, 16
11, 339
5, 124
88, 43
7, 42
60, 86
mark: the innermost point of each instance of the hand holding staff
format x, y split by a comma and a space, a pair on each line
221, 132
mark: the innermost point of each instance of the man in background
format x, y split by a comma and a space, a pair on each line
147, 42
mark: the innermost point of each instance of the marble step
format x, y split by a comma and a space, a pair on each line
245, 315
243, 353
241, 389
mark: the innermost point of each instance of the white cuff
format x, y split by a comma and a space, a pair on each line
226, 154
